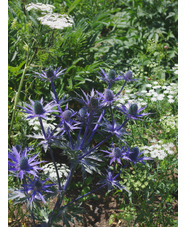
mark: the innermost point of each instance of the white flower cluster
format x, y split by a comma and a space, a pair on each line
169, 122
56, 21
158, 150
53, 20
153, 91
63, 171
39, 6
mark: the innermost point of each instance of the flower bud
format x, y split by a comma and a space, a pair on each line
128, 75
49, 73
134, 153
165, 47
67, 115
38, 185
117, 152
93, 103
133, 109
23, 163
109, 95
38, 108
112, 74
82, 112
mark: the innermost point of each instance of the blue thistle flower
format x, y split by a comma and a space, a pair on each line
128, 76
90, 102
21, 163
107, 97
36, 109
67, 121
116, 154
110, 78
35, 189
111, 182
50, 75
114, 128
133, 155
132, 112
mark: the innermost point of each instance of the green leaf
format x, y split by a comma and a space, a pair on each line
73, 5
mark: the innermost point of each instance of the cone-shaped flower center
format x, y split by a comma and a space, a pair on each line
134, 153
67, 115
133, 109
23, 163
117, 152
93, 103
109, 95
82, 112
128, 75
50, 73
38, 108
112, 74
38, 185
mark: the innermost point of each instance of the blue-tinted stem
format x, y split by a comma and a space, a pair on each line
99, 144
51, 154
88, 193
122, 88
95, 128
111, 113
70, 175
124, 123
69, 135
55, 94
54, 90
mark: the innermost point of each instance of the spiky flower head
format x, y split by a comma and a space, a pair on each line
49, 74
35, 188
110, 78
112, 74
133, 155
133, 109
94, 103
82, 112
116, 154
37, 109
107, 97
21, 164
132, 112
90, 102
67, 114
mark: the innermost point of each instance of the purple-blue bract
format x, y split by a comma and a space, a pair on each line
35, 188
37, 109
21, 164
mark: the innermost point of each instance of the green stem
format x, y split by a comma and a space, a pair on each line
17, 97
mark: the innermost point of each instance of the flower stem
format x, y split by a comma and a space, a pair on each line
51, 154
88, 193
17, 97
99, 144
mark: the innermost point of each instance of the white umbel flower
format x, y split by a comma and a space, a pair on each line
56, 21
39, 6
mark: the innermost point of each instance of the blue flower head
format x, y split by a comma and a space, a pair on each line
37, 109
35, 189
50, 75
107, 97
21, 164
132, 112
116, 154
110, 78
133, 155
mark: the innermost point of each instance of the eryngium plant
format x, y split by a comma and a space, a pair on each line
74, 132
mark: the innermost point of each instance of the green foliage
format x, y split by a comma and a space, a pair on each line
136, 35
